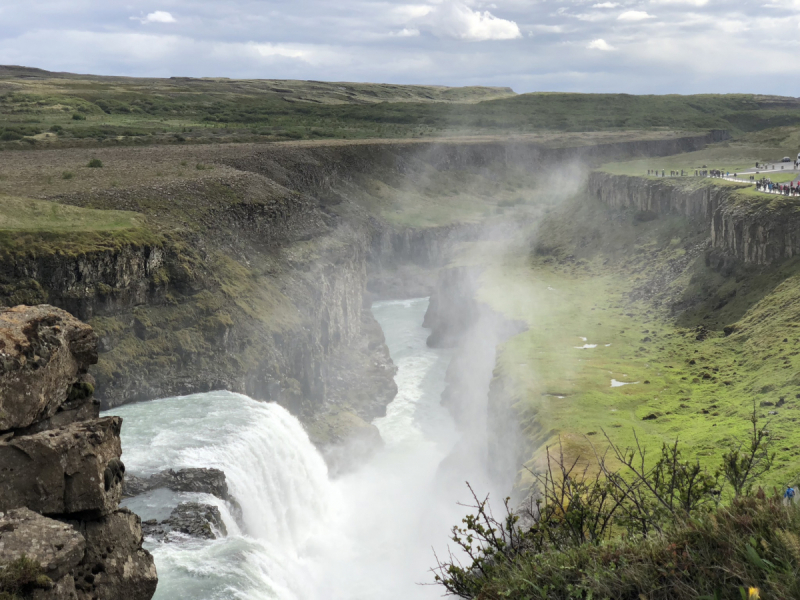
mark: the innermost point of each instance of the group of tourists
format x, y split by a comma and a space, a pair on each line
764, 184
663, 173
787, 189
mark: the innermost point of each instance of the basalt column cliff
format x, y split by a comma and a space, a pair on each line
61, 527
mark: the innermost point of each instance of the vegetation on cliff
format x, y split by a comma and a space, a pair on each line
658, 528
677, 343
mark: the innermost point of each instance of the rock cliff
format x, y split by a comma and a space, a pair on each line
61, 476
474, 396
752, 228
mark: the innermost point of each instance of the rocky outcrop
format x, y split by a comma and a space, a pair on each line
452, 310
194, 519
60, 470
43, 353
203, 481
757, 229
491, 434
115, 566
56, 546
72, 470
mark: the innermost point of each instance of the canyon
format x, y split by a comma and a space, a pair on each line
255, 271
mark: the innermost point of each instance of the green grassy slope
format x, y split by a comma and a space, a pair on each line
38, 107
639, 292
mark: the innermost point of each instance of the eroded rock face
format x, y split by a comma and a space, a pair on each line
58, 459
43, 352
67, 471
115, 567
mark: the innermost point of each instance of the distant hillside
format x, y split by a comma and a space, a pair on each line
318, 92
42, 108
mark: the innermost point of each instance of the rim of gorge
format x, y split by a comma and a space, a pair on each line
579, 297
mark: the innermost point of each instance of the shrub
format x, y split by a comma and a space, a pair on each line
67, 175
650, 528
20, 577
78, 117
95, 163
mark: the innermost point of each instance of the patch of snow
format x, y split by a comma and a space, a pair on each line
615, 383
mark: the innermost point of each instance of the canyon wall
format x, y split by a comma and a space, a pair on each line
744, 225
259, 279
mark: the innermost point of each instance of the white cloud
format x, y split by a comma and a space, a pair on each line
689, 2
600, 44
159, 16
455, 19
410, 11
406, 32
548, 28
634, 15
607, 5
280, 50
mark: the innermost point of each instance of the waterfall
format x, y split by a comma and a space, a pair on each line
365, 536
274, 472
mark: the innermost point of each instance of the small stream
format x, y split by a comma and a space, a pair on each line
302, 536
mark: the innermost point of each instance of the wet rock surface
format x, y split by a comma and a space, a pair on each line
189, 518
205, 481
61, 476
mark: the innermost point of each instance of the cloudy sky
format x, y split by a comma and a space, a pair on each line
635, 46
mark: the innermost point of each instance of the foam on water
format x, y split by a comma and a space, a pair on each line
365, 536
274, 472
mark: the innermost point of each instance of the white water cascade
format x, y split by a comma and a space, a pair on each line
364, 536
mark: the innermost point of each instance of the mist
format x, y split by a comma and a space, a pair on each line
370, 529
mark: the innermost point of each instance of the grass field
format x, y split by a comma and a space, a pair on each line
42, 108
41, 227
596, 281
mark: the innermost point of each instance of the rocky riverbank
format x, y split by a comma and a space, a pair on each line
62, 476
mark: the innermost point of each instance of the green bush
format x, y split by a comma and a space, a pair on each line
753, 543
95, 163
644, 528
78, 117
67, 175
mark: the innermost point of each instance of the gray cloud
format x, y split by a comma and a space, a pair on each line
636, 46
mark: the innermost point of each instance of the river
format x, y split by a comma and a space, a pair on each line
302, 536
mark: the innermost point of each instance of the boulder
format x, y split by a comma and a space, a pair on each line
43, 352
204, 481
190, 518
115, 566
56, 546
74, 470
